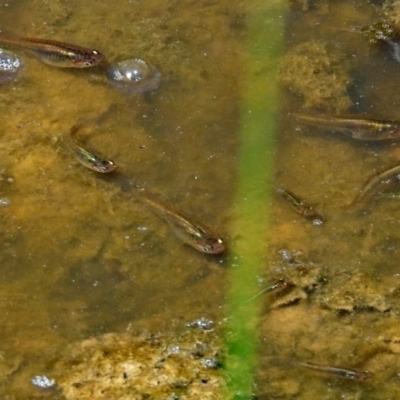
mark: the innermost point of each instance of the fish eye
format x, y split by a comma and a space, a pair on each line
207, 249
213, 246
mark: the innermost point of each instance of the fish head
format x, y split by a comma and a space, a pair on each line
363, 375
88, 59
395, 133
104, 166
210, 245
308, 211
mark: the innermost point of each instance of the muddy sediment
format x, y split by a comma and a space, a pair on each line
81, 260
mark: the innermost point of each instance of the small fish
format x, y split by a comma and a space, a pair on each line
395, 47
89, 160
194, 234
301, 207
341, 372
378, 183
354, 127
52, 52
381, 31
281, 283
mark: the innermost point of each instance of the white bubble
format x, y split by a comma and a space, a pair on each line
317, 222
43, 381
4, 202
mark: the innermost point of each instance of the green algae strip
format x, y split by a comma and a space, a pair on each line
248, 253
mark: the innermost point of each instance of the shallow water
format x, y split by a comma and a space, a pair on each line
80, 257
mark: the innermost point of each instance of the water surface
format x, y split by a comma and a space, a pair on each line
80, 257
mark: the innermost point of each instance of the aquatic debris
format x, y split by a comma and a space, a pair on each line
134, 75
377, 31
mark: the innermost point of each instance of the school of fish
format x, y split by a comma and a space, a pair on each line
194, 233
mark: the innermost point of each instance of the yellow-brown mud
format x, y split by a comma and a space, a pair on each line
80, 258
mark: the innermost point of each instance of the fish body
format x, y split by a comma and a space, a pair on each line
192, 233
300, 206
341, 372
354, 127
86, 158
378, 183
55, 53
281, 283
395, 47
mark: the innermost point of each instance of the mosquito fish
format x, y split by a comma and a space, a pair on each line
52, 52
89, 160
378, 183
381, 31
301, 207
346, 373
354, 127
281, 283
194, 234
395, 47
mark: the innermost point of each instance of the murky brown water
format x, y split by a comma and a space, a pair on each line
80, 258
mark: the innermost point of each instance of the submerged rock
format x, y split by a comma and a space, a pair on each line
144, 366
318, 74
391, 11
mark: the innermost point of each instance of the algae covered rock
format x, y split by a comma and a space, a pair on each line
391, 11
318, 74
144, 366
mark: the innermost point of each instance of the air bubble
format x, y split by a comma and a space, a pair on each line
4, 202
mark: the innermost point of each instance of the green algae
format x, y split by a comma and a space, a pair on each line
259, 121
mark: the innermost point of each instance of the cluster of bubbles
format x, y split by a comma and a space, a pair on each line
130, 76
10, 64
43, 381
